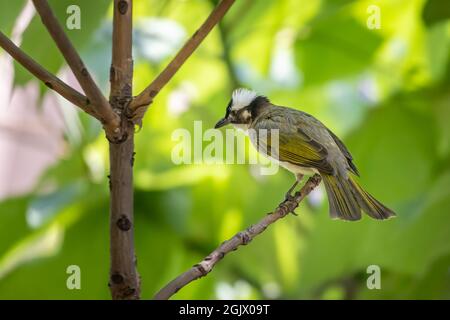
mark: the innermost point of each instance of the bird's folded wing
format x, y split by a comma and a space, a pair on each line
345, 152
294, 145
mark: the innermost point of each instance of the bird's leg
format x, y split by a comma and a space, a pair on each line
289, 196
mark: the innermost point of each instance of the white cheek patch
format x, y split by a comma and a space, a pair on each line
246, 115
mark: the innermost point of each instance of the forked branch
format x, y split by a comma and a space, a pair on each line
242, 238
107, 116
124, 281
140, 103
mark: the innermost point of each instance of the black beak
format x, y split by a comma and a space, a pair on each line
221, 123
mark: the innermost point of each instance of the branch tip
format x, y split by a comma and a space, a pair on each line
140, 103
241, 238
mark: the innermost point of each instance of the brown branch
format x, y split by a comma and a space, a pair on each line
140, 103
124, 279
108, 117
42, 74
241, 238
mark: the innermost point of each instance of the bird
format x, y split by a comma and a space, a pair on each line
305, 146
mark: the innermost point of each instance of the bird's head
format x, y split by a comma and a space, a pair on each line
243, 108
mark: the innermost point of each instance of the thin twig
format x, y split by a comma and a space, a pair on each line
140, 103
45, 76
241, 238
108, 117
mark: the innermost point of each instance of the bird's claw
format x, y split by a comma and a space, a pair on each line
288, 197
285, 205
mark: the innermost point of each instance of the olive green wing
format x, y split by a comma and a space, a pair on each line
294, 145
345, 151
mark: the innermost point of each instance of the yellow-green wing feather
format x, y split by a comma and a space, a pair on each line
295, 146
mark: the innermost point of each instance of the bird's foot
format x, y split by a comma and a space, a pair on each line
288, 197
288, 204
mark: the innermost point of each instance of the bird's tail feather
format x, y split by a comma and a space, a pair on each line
347, 198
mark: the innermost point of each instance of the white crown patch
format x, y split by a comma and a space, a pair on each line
242, 98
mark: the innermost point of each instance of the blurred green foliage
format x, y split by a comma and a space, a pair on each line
384, 91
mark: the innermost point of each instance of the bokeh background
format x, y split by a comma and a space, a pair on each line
384, 91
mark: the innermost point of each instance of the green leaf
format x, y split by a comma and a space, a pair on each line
435, 11
9, 12
438, 50
76, 236
398, 173
44, 207
333, 49
394, 145
12, 213
39, 45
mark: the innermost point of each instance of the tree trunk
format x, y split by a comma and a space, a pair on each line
118, 118
124, 279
